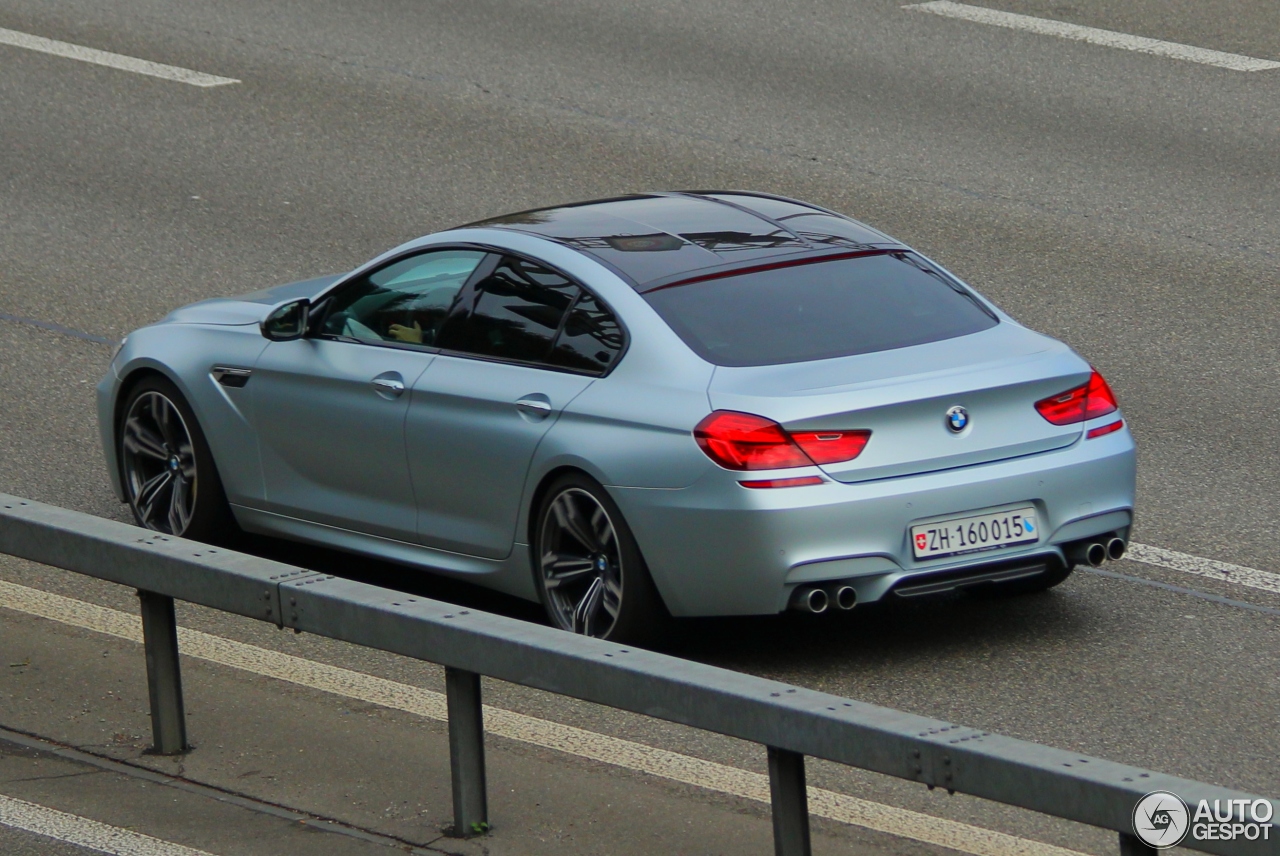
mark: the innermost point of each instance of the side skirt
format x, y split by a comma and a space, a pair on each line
511, 575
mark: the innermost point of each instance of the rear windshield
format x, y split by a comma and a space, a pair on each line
819, 310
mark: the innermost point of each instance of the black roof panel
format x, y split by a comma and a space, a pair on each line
658, 236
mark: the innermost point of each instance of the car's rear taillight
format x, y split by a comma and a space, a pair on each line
832, 447
741, 441
1080, 404
802, 481
744, 441
1104, 430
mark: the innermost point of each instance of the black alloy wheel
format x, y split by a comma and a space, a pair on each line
167, 470
589, 572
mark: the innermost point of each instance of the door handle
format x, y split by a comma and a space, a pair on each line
389, 385
536, 406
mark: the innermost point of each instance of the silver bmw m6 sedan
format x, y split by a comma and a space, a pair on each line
688, 404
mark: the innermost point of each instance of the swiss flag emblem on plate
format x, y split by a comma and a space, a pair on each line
921, 541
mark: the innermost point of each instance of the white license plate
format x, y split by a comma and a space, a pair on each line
975, 533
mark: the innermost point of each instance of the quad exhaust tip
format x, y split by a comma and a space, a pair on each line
1095, 554
820, 599
815, 600
846, 598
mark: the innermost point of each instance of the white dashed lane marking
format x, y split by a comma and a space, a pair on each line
1209, 568
1094, 36
82, 832
111, 60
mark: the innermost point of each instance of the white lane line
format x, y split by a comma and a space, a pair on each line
83, 832
113, 60
527, 729
1188, 564
1092, 35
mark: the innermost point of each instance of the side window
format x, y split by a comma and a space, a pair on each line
405, 302
591, 338
514, 313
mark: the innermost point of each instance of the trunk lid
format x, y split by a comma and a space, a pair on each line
903, 396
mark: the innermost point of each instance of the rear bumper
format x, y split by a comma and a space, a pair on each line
717, 548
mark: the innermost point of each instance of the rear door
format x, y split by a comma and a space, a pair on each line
521, 344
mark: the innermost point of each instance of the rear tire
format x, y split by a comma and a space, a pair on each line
169, 477
587, 567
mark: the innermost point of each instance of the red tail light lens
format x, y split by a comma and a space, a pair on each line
1064, 408
832, 447
1080, 404
743, 441
1104, 430
802, 481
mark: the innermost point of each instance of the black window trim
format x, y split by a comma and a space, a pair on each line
531, 364
363, 273
486, 266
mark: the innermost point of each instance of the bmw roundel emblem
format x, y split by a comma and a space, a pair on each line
957, 419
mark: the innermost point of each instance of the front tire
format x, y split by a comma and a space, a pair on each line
588, 570
167, 470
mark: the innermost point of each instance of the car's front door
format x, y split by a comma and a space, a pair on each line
515, 352
330, 408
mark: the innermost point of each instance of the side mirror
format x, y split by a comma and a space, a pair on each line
288, 321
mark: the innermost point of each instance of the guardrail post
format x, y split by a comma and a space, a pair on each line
164, 677
790, 801
1132, 845
466, 752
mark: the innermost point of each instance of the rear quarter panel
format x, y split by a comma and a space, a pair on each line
633, 427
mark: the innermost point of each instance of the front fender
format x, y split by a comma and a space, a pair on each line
185, 354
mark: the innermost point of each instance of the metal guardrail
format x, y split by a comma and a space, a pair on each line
791, 722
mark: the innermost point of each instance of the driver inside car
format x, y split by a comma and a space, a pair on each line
405, 302
401, 333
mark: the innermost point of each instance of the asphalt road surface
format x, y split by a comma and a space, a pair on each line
1126, 203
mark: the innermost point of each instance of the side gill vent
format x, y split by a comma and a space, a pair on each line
231, 376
